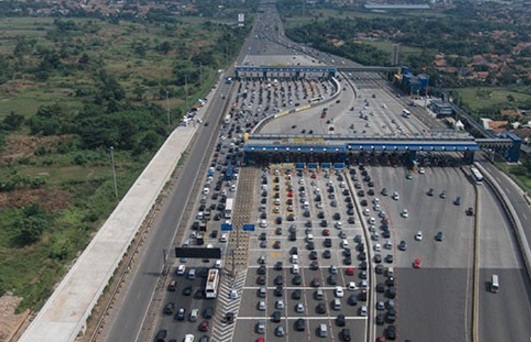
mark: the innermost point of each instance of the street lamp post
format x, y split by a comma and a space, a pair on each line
114, 173
168, 108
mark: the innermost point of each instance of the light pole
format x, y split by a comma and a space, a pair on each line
168, 108
114, 172
186, 91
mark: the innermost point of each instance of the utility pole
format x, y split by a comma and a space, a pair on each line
186, 91
168, 107
114, 173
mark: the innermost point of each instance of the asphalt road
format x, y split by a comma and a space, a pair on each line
136, 299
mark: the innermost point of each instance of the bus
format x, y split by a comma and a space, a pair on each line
476, 175
211, 288
228, 172
228, 208
406, 113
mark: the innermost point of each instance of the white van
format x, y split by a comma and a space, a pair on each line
345, 244
323, 330
191, 274
494, 284
295, 269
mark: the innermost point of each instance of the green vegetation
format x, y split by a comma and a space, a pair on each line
488, 101
71, 88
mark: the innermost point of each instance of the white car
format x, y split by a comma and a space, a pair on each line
224, 237
363, 311
351, 286
181, 269
261, 305
405, 213
418, 236
263, 223
279, 304
422, 171
233, 294
377, 247
338, 292
299, 308
396, 196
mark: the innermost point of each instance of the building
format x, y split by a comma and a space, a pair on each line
441, 109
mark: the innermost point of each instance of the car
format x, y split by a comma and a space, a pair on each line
278, 231
405, 213
277, 245
181, 314
352, 300
233, 294
351, 286
327, 242
349, 271
379, 269
357, 238
278, 291
203, 326
442, 194
363, 274
296, 294
390, 332
327, 254
321, 308
363, 311
261, 280
261, 270
279, 331
279, 280
332, 279
470, 211
181, 270
380, 319
345, 335
208, 312
299, 308
187, 291
389, 258
457, 201
314, 265
313, 255
417, 263
430, 192
439, 236
169, 309
300, 324
418, 236
275, 317
338, 292
380, 288
377, 258
326, 232
402, 245
340, 320
297, 280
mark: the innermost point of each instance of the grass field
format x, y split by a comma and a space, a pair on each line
479, 98
78, 191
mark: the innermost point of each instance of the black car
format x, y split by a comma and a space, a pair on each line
314, 266
321, 308
208, 312
169, 309
340, 320
198, 294
347, 260
261, 270
313, 255
389, 258
336, 216
187, 291
391, 332
379, 269
261, 280
439, 236
296, 295
279, 280
300, 324
180, 315
345, 335
327, 254
310, 246
327, 243
351, 220
430, 192
297, 280
275, 317
380, 319
332, 279
278, 291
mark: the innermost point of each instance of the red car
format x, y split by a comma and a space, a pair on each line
349, 271
417, 263
260, 339
326, 232
203, 326
313, 176
290, 194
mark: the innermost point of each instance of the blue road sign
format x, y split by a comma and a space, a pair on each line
299, 166
226, 227
312, 166
248, 227
339, 165
326, 165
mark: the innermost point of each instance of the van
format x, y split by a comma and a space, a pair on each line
345, 244
494, 284
172, 285
323, 330
295, 269
336, 304
191, 274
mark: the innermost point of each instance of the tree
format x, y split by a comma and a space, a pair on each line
13, 121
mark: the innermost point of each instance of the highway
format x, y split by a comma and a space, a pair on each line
134, 301
434, 302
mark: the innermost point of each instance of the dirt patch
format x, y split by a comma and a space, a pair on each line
9, 321
20, 146
49, 199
